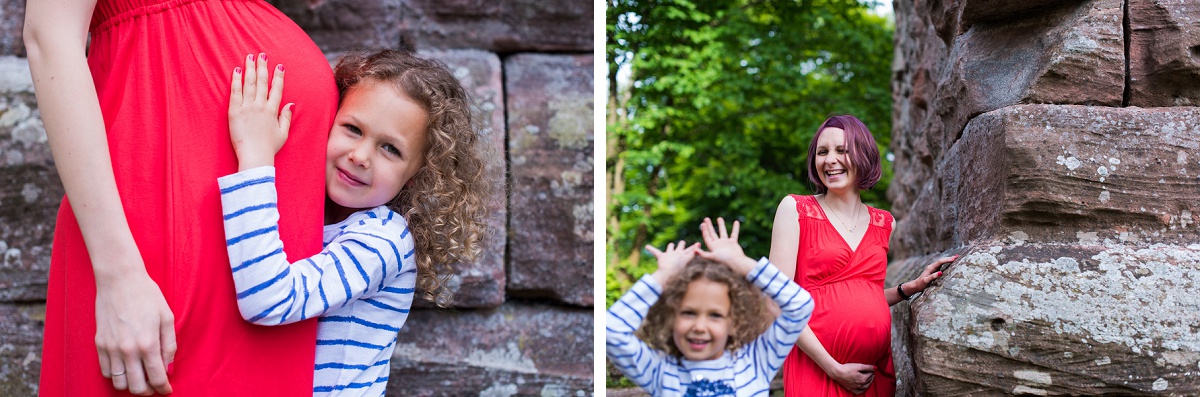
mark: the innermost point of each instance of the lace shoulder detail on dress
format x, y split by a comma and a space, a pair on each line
807, 206
881, 218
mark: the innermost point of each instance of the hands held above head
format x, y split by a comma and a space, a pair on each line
724, 248
256, 126
671, 261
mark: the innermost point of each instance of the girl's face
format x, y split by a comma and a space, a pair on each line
377, 144
702, 320
832, 162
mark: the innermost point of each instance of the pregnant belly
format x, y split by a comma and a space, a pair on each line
852, 321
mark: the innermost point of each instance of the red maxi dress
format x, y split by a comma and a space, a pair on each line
162, 71
851, 316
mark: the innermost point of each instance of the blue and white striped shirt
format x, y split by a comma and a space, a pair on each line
748, 372
360, 285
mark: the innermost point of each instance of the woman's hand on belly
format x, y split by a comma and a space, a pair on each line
854, 377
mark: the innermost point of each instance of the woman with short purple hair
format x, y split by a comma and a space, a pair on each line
836, 247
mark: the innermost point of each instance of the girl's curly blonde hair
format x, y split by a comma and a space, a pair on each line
445, 203
747, 313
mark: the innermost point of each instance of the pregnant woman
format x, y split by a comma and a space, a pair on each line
836, 247
140, 294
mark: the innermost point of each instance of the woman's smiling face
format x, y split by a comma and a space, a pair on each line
833, 162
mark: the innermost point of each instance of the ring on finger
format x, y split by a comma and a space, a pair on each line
118, 373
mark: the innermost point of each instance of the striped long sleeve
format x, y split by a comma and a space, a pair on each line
772, 347
748, 372
640, 363
361, 284
270, 290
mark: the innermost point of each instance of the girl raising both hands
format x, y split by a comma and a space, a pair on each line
702, 335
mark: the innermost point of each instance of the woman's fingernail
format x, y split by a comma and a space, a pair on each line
249, 57
279, 68
939, 274
262, 56
237, 70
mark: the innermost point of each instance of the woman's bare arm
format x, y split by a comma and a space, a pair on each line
135, 330
785, 235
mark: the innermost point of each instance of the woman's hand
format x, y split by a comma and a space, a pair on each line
853, 376
671, 261
927, 276
724, 248
257, 127
135, 333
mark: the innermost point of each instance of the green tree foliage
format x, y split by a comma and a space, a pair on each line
712, 104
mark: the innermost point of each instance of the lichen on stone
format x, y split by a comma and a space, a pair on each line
1139, 297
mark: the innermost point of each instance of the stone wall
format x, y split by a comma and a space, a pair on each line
522, 321
1055, 146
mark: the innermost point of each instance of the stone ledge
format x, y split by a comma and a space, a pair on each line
505, 27
520, 348
1012, 317
1063, 173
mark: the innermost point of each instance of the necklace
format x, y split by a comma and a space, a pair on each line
854, 217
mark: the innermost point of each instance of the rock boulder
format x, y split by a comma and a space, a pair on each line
1025, 142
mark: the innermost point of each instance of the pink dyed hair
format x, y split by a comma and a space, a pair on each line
860, 149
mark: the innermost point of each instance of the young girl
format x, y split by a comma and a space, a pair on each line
703, 332
402, 143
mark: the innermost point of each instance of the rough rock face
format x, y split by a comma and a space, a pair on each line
29, 199
500, 26
1018, 146
1054, 319
521, 348
21, 347
1164, 53
12, 21
1068, 218
1128, 174
550, 149
497, 26
342, 25
1069, 54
